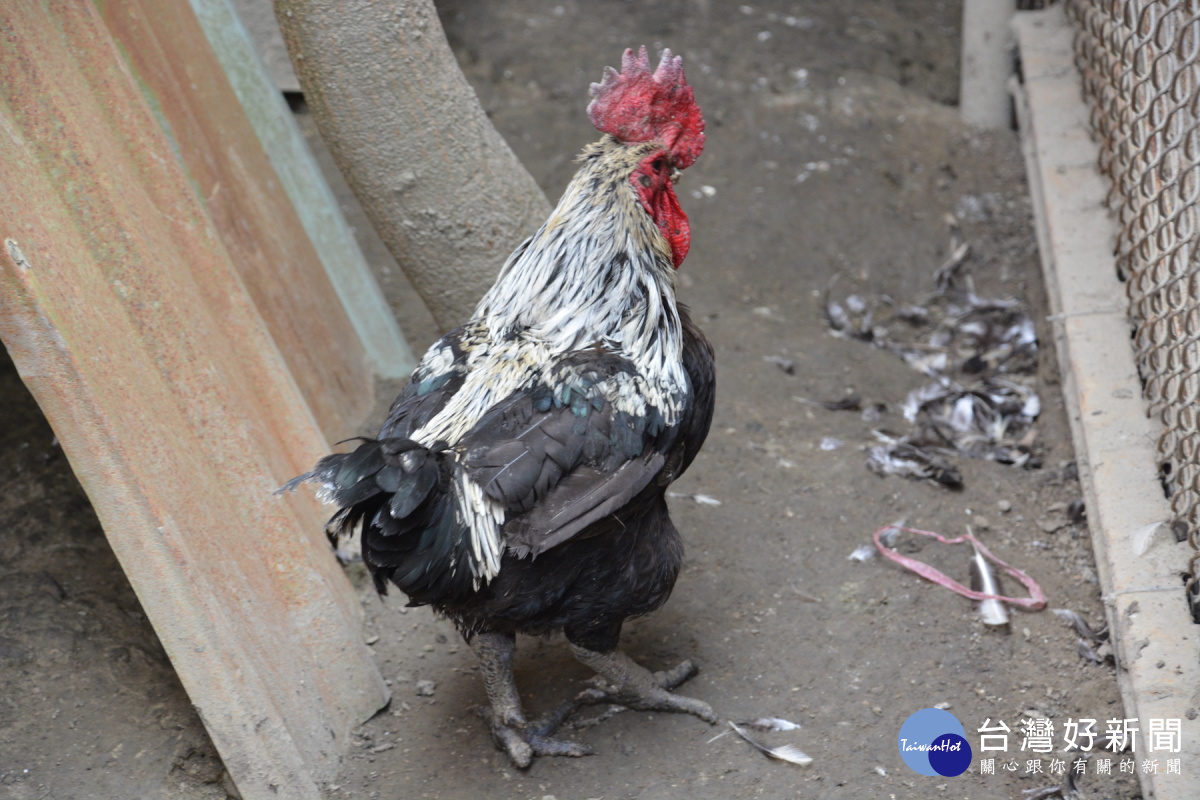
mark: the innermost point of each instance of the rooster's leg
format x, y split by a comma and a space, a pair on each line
520, 739
632, 685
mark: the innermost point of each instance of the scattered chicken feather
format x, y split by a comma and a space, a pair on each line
787, 752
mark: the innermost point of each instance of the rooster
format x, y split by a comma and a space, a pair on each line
518, 483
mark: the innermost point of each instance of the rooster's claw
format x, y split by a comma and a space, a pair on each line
623, 682
523, 742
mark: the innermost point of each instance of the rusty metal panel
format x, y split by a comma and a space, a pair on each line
184, 85
126, 315
301, 178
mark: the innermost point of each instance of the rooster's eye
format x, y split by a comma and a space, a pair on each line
657, 165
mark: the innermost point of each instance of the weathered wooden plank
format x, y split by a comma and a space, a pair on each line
258, 16
126, 316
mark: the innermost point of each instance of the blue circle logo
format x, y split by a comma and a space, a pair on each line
934, 742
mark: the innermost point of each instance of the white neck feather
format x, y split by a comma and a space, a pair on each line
598, 271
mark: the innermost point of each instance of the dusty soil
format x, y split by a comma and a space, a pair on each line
834, 152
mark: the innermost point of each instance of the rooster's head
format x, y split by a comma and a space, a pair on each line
640, 106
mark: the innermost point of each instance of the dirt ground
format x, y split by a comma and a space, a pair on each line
834, 152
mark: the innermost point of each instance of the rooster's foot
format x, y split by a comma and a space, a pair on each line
626, 683
520, 739
524, 740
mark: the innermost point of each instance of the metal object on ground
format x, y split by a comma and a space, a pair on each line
983, 579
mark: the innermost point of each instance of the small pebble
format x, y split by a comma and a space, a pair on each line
425, 688
873, 412
862, 553
373, 638
785, 364
1004, 506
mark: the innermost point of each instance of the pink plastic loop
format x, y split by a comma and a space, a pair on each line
1035, 602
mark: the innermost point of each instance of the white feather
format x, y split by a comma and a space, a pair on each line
484, 519
770, 724
787, 752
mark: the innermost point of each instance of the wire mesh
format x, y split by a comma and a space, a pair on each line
1140, 62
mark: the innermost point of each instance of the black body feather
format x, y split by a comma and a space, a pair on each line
519, 481
589, 541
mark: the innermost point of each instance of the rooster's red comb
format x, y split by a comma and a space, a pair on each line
637, 105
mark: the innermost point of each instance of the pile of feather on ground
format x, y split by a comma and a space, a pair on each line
981, 357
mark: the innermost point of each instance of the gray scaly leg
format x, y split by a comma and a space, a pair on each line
520, 739
632, 685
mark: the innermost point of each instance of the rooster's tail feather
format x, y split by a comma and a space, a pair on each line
399, 493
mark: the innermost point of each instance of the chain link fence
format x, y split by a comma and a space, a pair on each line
1140, 62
